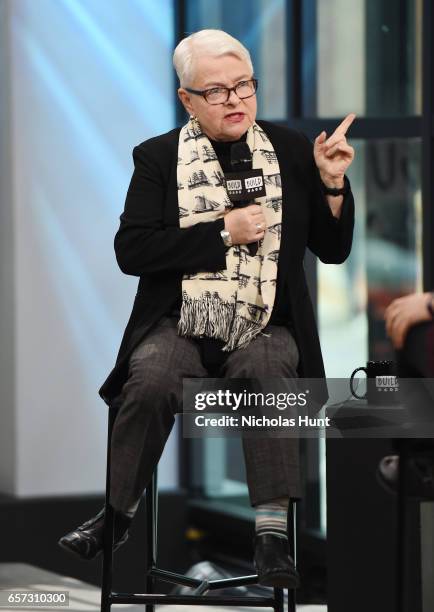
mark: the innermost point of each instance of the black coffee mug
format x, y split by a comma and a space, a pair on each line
382, 383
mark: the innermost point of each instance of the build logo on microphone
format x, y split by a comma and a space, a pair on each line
243, 185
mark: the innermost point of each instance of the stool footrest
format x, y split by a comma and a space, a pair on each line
174, 577
190, 600
212, 585
226, 583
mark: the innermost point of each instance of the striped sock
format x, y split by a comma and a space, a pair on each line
272, 517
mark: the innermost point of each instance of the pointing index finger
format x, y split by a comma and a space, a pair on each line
343, 127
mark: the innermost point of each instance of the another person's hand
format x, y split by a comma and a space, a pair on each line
245, 225
405, 312
333, 155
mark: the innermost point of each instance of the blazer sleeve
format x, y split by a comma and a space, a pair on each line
329, 238
144, 245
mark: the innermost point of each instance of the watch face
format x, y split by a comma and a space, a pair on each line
226, 237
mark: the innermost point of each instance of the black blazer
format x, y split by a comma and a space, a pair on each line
150, 244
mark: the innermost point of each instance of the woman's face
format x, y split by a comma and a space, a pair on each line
228, 121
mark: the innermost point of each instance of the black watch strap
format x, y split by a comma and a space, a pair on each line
430, 305
332, 191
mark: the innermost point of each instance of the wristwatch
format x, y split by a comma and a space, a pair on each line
332, 191
226, 237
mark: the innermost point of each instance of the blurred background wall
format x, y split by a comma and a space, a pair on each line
81, 84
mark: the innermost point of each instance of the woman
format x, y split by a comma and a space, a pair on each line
204, 300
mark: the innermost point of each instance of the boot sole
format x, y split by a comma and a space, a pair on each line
280, 580
77, 553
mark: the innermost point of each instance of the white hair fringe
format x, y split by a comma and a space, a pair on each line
205, 42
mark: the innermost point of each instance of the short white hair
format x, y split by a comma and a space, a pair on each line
205, 42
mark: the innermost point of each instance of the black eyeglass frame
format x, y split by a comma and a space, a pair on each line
204, 92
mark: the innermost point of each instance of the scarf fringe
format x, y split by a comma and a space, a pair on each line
243, 331
212, 318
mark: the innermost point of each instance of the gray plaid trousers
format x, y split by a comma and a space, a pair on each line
152, 395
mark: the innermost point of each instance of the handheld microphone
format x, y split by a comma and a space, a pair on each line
243, 182
241, 156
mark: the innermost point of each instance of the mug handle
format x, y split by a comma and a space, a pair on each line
361, 397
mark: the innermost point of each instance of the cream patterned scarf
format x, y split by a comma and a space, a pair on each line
233, 304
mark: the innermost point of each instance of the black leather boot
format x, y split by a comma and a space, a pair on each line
273, 563
86, 541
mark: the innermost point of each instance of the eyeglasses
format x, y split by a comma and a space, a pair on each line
220, 95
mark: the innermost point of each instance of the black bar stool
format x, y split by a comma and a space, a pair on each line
201, 587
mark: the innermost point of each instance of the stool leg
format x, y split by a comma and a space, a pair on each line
278, 597
292, 542
107, 563
151, 534
402, 528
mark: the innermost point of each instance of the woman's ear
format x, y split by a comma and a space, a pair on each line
184, 96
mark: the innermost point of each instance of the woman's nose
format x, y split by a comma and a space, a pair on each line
233, 98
